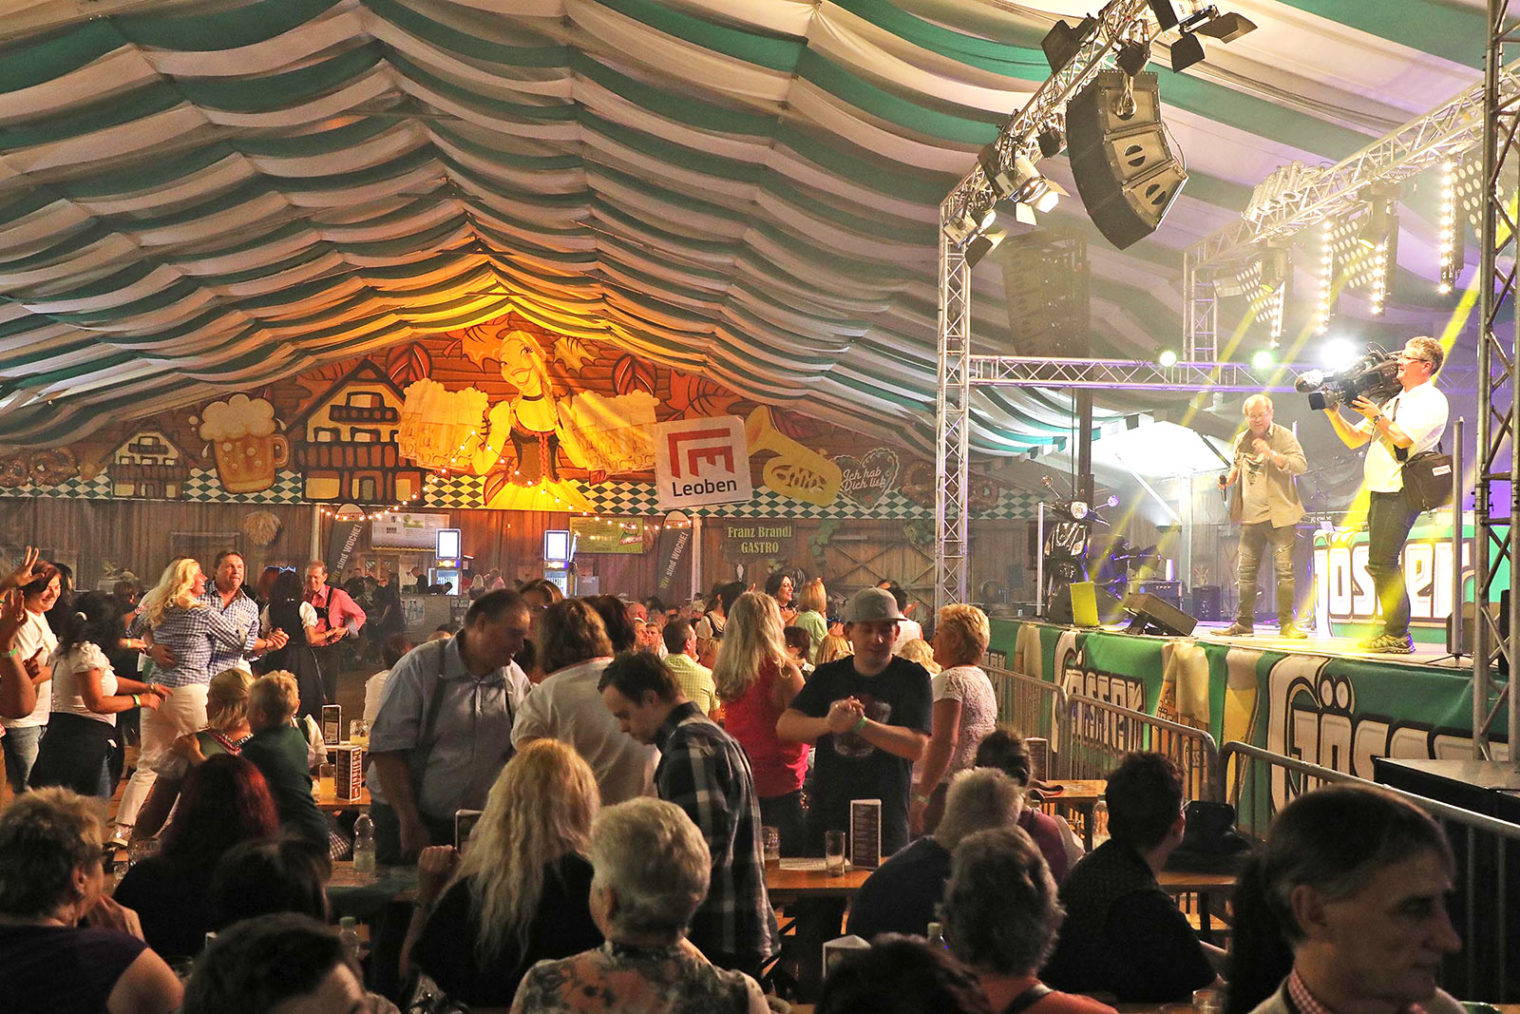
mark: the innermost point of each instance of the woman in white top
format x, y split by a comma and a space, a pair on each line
87, 696
35, 642
965, 710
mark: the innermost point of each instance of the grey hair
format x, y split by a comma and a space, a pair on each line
1001, 909
1254, 400
654, 860
978, 799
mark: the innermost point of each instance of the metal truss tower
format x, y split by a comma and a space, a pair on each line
1497, 493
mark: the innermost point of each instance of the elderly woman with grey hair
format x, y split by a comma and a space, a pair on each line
651, 867
1002, 916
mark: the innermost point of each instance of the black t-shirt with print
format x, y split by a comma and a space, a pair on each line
847, 767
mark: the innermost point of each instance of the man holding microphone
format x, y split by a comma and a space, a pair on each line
1265, 503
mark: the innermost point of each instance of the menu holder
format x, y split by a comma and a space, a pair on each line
332, 723
348, 771
1039, 756
865, 833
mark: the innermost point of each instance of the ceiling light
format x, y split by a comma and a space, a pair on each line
1062, 42
1227, 27
1052, 141
1263, 359
1167, 359
1186, 51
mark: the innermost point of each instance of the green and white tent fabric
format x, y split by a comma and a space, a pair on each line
207, 195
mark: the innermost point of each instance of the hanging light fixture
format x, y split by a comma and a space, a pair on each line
1452, 233
1325, 307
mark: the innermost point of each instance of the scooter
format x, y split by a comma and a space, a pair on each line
1064, 541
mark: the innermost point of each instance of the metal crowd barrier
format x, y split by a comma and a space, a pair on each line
1102, 733
1485, 970
1089, 737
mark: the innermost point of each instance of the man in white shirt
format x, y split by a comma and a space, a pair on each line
1411, 421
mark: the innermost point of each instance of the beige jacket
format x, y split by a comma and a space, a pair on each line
1282, 492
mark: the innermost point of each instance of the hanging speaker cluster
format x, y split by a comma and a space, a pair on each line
1125, 171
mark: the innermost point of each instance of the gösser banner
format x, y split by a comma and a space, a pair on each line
701, 461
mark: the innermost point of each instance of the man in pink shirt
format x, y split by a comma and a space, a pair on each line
336, 609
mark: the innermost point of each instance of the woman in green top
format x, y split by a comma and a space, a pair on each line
811, 605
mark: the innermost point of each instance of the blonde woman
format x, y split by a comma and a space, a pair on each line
225, 733
812, 604
756, 681
833, 648
519, 894
184, 629
965, 711
920, 651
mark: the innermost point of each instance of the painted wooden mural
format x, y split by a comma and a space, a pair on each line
503, 415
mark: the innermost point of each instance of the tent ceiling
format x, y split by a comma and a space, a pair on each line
199, 195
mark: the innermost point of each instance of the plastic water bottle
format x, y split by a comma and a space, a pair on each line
937, 939
364, 844
348, 933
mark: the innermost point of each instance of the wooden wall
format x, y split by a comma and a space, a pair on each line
142, 536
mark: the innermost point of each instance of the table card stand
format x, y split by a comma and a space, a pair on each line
865, 833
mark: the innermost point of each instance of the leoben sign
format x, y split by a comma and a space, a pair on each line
698, 462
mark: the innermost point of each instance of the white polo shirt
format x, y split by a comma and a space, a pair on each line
1421, 413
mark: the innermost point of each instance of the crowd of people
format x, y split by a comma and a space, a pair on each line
628, 762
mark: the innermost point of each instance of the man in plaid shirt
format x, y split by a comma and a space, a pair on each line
704, 771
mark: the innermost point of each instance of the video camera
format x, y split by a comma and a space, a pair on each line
1375, 377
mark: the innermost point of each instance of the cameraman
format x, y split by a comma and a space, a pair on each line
1414, 420
1266, 505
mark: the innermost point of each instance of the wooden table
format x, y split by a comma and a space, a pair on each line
1078, 795
365, 894
805, 878
326, 794
1203, 885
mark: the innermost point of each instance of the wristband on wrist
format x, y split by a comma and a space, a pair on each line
860, 724
919, 797
13, 652
136, 700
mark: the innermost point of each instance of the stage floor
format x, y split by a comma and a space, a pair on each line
1266, 637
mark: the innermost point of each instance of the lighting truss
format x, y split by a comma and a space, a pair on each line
1445, 132
1020, 136
1129, 374
1495, 507
1119, 21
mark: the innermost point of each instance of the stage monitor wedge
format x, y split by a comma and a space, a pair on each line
1153, 615
1123, 166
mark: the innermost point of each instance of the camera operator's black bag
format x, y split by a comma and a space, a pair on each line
1427, 478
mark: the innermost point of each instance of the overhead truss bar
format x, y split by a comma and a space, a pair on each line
1446, 132
1122, 374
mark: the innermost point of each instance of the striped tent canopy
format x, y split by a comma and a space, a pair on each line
207, 195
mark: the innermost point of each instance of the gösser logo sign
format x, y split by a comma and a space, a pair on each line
701, 461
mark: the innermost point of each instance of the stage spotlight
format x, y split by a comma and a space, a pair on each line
1133, 56
1337, 354
1021, 182
1275, 267
1062, 42
970, 223
1052, 140
1382, 214
1167, 359
1186, 51
1227, 27
983, 244
1165, 12
1263, 359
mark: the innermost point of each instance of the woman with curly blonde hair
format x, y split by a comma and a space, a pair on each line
757, 681
184, 632
965, 710
520, 893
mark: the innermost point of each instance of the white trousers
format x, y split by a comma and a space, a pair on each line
183, 712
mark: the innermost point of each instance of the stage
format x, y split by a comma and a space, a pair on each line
1321, 700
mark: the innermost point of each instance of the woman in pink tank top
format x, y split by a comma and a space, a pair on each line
757, 681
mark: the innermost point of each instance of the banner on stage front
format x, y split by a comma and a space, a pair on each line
698, 462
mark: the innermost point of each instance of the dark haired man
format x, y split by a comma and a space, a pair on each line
1123, 933
281, 962
444, 729
704, 771
694, 678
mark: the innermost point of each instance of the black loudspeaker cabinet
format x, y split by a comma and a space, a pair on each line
1498, 610
1169, 592
1208, 602
1154, 616
1125, 171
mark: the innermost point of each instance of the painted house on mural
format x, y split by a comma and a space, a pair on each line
148, 465
346, 444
